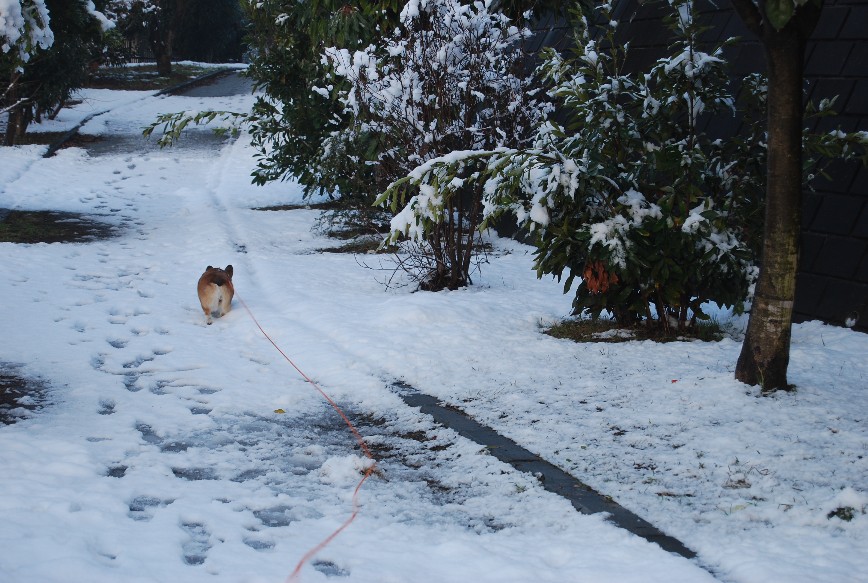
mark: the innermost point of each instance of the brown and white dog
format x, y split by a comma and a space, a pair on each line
216, 291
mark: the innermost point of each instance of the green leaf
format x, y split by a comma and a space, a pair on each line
780, 12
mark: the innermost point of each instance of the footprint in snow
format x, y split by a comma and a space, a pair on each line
196, 548
148, 434
131, 382
118, 471
141, 508
98, 361
106, 406
138, 361
330, 569
258, 544
194, 474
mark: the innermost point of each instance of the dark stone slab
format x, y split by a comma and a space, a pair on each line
862, 273
860, 229
811, 245
843, 299
840, 257
826, 88
857, 64
583, 498
828, 58
858, 103
837, 214
854, 23
831, 20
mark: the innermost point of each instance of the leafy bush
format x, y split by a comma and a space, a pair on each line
631, 195
626, 194
48, 64
290, 122
448, 78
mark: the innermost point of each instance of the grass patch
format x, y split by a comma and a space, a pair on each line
845, 513
144, 77
603, 330
361, 246
50, 227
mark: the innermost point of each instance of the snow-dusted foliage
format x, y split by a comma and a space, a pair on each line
45, 51
438, 81
133, 14
449, 78
24, 28
627, 196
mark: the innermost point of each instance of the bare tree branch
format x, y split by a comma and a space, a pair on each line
16, 105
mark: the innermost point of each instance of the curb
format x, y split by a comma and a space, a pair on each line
200, 80
583, 498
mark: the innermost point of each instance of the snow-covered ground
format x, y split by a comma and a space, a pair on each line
161, 455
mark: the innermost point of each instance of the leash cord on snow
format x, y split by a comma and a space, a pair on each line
370, 470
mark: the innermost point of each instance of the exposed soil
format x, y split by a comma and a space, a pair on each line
18, 395
50, 227
328, 205
38, 138
361, 246
602, 330
80, 141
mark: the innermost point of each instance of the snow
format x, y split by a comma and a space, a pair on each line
161, 457
104, 22
24, 28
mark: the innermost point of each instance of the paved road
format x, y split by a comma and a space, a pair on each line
232, 83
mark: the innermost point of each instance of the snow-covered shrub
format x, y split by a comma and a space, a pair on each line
626, 195
448, 78
292, 116
25, 28
46, 49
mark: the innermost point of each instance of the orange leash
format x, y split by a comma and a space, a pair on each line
370, 470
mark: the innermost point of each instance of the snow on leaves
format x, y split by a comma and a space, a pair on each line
621, 188
24, 27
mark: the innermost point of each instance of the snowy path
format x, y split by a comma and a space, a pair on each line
162, 457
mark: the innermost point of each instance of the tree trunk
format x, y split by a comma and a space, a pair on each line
765, 353
161, 45
17, 120
16, 124
162, 35
164, 64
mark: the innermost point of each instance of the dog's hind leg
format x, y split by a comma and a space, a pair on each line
210, 301
217, 304
224, 303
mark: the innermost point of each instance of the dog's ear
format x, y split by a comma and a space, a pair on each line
228, 271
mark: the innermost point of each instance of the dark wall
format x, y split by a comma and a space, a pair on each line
833, 278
